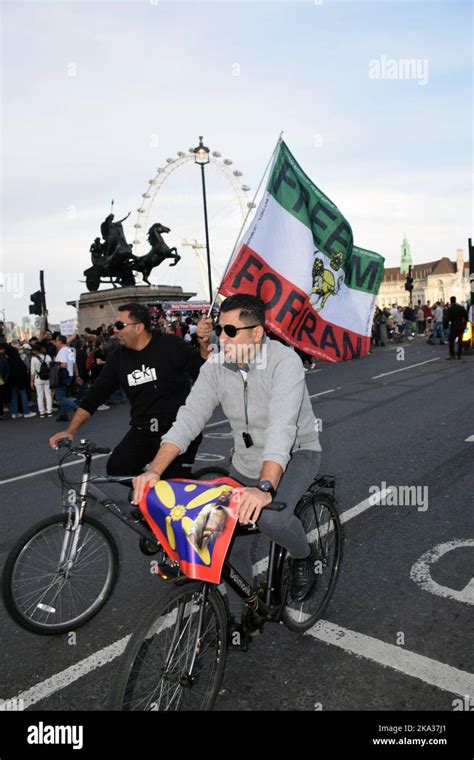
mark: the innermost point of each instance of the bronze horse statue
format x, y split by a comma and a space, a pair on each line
114, 259
158, 253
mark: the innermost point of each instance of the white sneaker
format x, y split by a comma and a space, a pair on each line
30, 414
312, 366
102, 408
14, 416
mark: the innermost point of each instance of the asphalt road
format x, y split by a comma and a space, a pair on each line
397, 634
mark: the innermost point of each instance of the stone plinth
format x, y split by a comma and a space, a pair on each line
101, 306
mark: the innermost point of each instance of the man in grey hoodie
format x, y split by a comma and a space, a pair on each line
261, 387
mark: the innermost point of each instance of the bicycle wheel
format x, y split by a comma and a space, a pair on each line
48, 596
166, 666
210, 473
323, 530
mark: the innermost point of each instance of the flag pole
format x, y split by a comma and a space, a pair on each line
269, 164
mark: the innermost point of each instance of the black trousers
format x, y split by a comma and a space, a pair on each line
455, 332
138, 448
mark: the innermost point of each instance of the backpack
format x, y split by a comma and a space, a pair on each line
43, 373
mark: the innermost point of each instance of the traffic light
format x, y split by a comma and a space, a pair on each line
409, 282
37, 306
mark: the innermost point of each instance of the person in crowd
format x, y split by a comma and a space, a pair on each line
438, 331
66, 358
420, 319
19, 379
456, 318
4, 379
40, 365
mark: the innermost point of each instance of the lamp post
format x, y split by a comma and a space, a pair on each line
201, 157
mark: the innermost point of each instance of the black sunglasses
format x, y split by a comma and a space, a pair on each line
230, 330
119, 325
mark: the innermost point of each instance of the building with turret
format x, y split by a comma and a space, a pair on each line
432, 281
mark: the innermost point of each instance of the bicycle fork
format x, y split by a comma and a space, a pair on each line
73, 531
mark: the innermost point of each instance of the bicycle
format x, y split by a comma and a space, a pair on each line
176, 657
61, 572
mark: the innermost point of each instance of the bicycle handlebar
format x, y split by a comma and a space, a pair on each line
85, 447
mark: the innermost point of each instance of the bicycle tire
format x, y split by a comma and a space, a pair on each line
27, 613
300, 616
145, 682
210, 473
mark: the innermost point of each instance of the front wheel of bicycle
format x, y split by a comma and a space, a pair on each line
45, 589
175, 659
323, 530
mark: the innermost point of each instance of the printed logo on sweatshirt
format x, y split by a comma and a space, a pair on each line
143, 375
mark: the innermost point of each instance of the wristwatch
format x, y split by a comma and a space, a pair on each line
267, 487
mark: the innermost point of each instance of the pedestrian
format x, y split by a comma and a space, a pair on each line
4, 379
420, 320
438, 331
40, 364
66, 358
409, 318
19, 379
456, 318
384, 315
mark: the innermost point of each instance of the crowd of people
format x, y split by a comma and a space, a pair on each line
51, 373
438, 322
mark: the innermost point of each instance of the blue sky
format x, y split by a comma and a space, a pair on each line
394, 155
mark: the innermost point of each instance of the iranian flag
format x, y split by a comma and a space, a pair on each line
298, 257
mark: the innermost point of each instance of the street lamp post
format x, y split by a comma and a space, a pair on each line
201, 157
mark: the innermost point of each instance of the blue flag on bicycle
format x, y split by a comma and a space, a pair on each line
194, 522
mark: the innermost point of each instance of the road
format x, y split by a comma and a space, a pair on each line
397, 634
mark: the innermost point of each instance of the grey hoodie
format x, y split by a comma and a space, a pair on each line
280, 415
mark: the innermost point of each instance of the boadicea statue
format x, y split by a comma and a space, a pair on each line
113, 259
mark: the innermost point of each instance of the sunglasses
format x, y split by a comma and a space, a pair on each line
230, 330
120, 325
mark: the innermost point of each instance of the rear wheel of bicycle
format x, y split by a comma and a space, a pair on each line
49, 597
210, 473
324, 533
165, 666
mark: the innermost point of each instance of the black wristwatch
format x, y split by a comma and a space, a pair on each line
267, 487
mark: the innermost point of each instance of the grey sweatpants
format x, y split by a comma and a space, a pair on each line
282, 527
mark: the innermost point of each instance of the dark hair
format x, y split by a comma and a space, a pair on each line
138, 313
61, 338
453, 299
252, 309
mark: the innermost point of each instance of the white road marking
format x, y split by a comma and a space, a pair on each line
385, 374
374, 499
66, 677
421, 574
398, 658
48, 469
323, 393
470, 439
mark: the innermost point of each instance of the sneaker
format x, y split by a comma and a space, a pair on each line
303, 578
50, 414
312, 366
42, 416
102, 408
16, 416
30, 414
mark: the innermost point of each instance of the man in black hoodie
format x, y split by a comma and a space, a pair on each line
155, 371
456, 316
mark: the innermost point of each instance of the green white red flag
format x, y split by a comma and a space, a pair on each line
298, 256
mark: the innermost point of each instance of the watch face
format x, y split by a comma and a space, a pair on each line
265, 485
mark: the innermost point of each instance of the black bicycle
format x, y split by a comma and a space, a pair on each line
61, 572
176, 657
